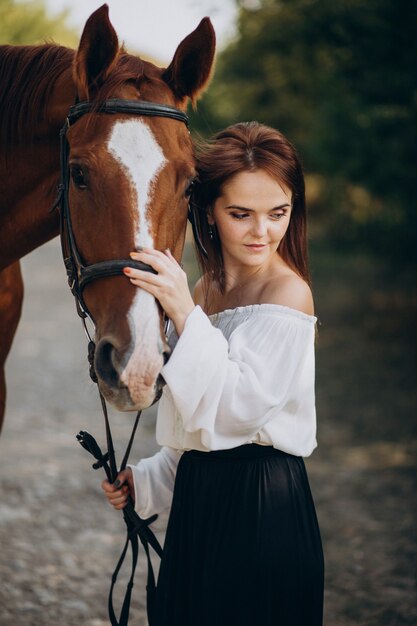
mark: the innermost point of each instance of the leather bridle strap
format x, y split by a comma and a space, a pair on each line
130, 107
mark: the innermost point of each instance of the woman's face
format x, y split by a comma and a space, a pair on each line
251, 217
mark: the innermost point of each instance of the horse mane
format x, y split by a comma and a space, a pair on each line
28, 75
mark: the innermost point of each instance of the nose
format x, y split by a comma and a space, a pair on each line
259, 227
105, 363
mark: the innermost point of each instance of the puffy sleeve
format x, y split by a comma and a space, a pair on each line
154, 479
225, 391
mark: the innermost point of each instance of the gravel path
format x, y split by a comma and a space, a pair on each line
60, 540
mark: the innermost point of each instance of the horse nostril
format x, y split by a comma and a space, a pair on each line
104, 364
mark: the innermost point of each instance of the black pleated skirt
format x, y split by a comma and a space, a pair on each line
243, 545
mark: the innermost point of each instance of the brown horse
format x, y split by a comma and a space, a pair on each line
129, 181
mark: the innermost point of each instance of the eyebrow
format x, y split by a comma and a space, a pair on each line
242, 208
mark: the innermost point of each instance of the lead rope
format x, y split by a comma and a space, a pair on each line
137, 528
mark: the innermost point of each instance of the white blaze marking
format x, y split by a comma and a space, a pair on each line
133, 145
135, 148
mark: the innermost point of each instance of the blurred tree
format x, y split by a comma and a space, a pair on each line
28, 23
339, 79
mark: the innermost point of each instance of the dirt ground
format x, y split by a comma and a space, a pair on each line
60, 540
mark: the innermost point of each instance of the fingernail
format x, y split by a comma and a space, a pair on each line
126, 270
134, 254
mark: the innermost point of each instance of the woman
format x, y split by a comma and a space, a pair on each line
237, 414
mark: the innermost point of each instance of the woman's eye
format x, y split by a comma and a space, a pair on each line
239, 216
78, 177
277, 216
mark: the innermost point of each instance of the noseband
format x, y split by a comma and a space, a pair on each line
79, 275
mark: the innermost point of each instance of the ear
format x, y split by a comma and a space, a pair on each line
189, 71
97, 53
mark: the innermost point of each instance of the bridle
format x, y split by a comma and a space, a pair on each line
79, 275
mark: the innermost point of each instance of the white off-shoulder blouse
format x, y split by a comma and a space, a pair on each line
240, 376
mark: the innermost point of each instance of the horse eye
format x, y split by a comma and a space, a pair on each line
78, 177
189, 189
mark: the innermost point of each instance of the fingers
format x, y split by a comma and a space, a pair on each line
141, 279
169, 286
118, 493
157, 259
118, 498
164, 263
141, 276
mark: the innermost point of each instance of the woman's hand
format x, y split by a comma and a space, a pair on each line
118, 493
169, 286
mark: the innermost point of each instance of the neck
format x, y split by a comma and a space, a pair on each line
237, 277
30, 174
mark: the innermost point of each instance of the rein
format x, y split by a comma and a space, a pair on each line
79, 275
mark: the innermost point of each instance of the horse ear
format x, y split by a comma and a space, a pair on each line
97, 53
189, 71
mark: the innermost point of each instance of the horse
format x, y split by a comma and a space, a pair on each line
130, 179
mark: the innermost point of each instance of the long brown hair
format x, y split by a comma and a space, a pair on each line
246, 147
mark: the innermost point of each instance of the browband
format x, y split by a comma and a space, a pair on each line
132, 107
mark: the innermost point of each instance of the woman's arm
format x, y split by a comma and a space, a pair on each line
149, 484
153, 480
227, 391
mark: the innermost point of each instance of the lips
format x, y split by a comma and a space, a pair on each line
255, 246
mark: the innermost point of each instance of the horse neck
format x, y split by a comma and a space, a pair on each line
29, 173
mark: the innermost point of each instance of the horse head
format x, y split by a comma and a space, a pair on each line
129, 184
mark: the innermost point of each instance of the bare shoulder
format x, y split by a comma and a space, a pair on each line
289, 290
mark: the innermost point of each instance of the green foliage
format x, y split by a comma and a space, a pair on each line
28, 23
338, 78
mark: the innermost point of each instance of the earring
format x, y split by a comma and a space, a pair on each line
211, 232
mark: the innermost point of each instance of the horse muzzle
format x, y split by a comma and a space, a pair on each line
129, 383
